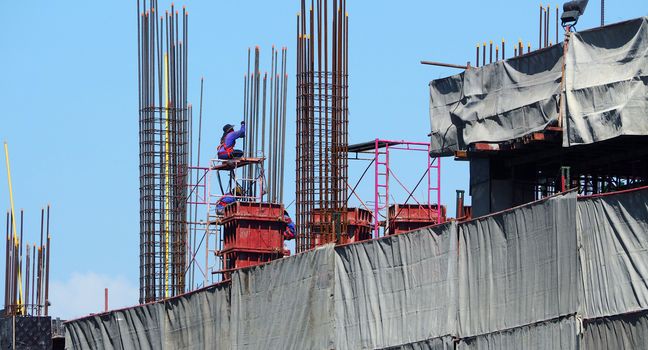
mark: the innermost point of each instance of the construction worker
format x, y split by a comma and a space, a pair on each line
289, 233
228, 141
228, 199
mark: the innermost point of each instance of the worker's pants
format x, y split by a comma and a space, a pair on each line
237, 153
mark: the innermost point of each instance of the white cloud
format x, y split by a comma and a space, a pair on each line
83, 294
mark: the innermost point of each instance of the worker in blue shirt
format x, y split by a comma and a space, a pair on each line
289, 233
228, 199
228, 141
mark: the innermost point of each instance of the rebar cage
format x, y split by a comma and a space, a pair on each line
164, 152
322, 124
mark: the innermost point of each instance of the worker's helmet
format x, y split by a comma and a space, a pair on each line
228, 127
238, 191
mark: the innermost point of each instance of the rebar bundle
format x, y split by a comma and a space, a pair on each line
164, 134
261, 141
322, 122
32, 296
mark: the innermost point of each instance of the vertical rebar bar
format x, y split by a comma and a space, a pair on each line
540, 29
321, 168
164, 118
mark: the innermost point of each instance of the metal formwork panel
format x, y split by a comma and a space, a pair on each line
408, 217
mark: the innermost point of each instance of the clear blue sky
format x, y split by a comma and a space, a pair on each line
69, 97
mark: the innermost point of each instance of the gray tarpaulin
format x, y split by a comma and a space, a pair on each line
607, 82
606, 89
559, 273
614, 230
518, 267
556, 334
287, 304
629, 331
444, 343
396, 290
496, 102
193, 321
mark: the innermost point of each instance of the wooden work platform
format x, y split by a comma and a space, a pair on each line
231, 164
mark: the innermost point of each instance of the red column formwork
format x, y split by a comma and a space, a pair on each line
358, 226
252, 234
408, 217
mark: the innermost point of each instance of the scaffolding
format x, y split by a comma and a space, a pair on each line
211, 184
381, 152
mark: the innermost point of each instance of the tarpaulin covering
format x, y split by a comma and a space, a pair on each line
628, 331
193, 321
518, 267
607, 82
560, 273
605, 92
285, 305
443, 343
396, 290
614, 231
496, 102
556, 334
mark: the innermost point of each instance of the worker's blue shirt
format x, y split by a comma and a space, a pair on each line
224, 201
290, 228
230, 139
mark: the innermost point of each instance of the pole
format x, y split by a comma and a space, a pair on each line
13, 219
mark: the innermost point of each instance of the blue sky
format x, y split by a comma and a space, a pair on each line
69, 97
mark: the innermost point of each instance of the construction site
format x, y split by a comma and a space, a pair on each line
293, 228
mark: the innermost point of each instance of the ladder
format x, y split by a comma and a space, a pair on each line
381, 191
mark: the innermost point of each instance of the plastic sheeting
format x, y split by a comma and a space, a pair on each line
560, 273
518, 267
287, 304
497, 102
444, 343
628, 331
396, 290
193, 321
606, 92
556, 334
614, 230
607, 82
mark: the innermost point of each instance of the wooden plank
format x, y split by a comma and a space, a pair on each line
231, 164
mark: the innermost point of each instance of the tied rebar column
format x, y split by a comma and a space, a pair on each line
322, 123
163, 118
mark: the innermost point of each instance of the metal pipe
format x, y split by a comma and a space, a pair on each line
557, 25
484, 53
27, 275
441, 64
491, 51
547, 25
540, 28
47, 263
21, 307
33, 274
7, 268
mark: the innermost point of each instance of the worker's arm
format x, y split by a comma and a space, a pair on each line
241, 132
